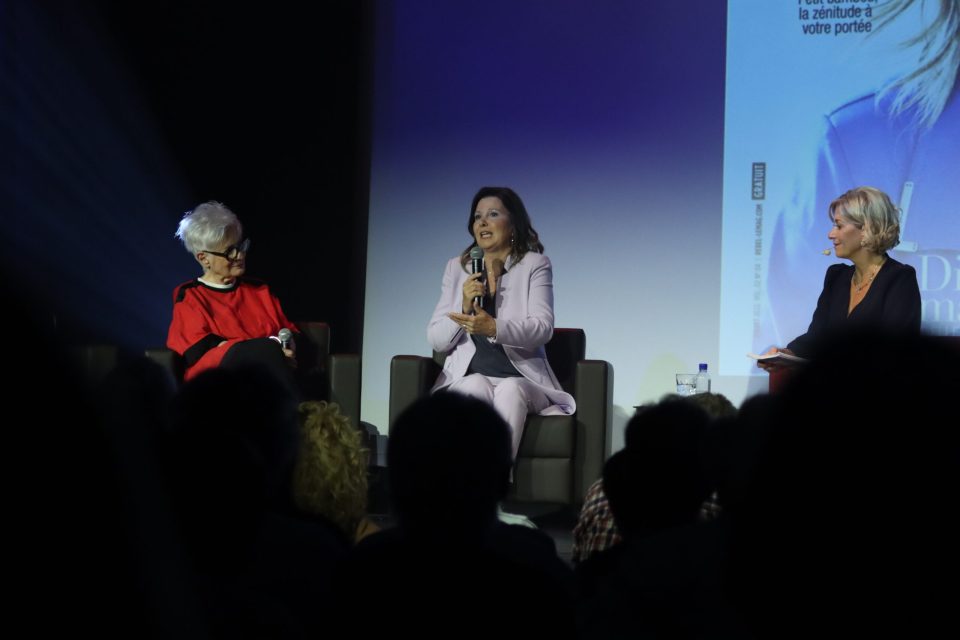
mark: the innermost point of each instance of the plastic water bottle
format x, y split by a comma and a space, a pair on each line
703, 379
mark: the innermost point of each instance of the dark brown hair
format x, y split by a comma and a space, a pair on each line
525, 237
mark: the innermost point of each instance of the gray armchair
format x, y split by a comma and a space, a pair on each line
560, 456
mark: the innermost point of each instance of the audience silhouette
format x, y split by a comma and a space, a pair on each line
142, 511
450, 566
261, 569
846, 522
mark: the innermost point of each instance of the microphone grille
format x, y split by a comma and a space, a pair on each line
284, 334
476, 253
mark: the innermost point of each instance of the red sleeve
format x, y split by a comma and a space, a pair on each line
189, 324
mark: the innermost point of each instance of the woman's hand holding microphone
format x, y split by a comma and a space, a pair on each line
474, 320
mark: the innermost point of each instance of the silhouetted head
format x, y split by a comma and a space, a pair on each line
449, 464
732, 445
234, 437
851, 499
658, 481
716, 405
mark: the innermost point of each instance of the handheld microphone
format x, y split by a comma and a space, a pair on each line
476, 266
285, 335
825, 252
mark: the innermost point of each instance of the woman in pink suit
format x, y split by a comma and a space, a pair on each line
495, 348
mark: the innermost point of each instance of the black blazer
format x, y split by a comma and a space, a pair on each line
891, 303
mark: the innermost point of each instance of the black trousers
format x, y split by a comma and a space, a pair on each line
267, 355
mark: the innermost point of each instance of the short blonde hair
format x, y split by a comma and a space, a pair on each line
872, 211
330, 476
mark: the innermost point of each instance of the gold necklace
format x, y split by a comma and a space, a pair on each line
866, 282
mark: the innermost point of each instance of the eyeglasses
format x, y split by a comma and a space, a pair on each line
233, 252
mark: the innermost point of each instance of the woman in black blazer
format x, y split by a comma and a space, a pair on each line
875, 290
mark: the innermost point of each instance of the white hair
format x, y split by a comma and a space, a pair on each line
207, 226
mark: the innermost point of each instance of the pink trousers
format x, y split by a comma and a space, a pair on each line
513, 399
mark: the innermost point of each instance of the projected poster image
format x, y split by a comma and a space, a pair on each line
824, 96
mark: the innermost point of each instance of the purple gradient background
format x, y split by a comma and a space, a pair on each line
607, 118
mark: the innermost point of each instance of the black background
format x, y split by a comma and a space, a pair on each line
265, 108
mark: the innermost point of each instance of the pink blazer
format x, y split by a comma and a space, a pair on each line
524, 324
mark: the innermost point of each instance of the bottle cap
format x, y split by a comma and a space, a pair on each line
703, 366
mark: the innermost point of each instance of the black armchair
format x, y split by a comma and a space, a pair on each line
326, 376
